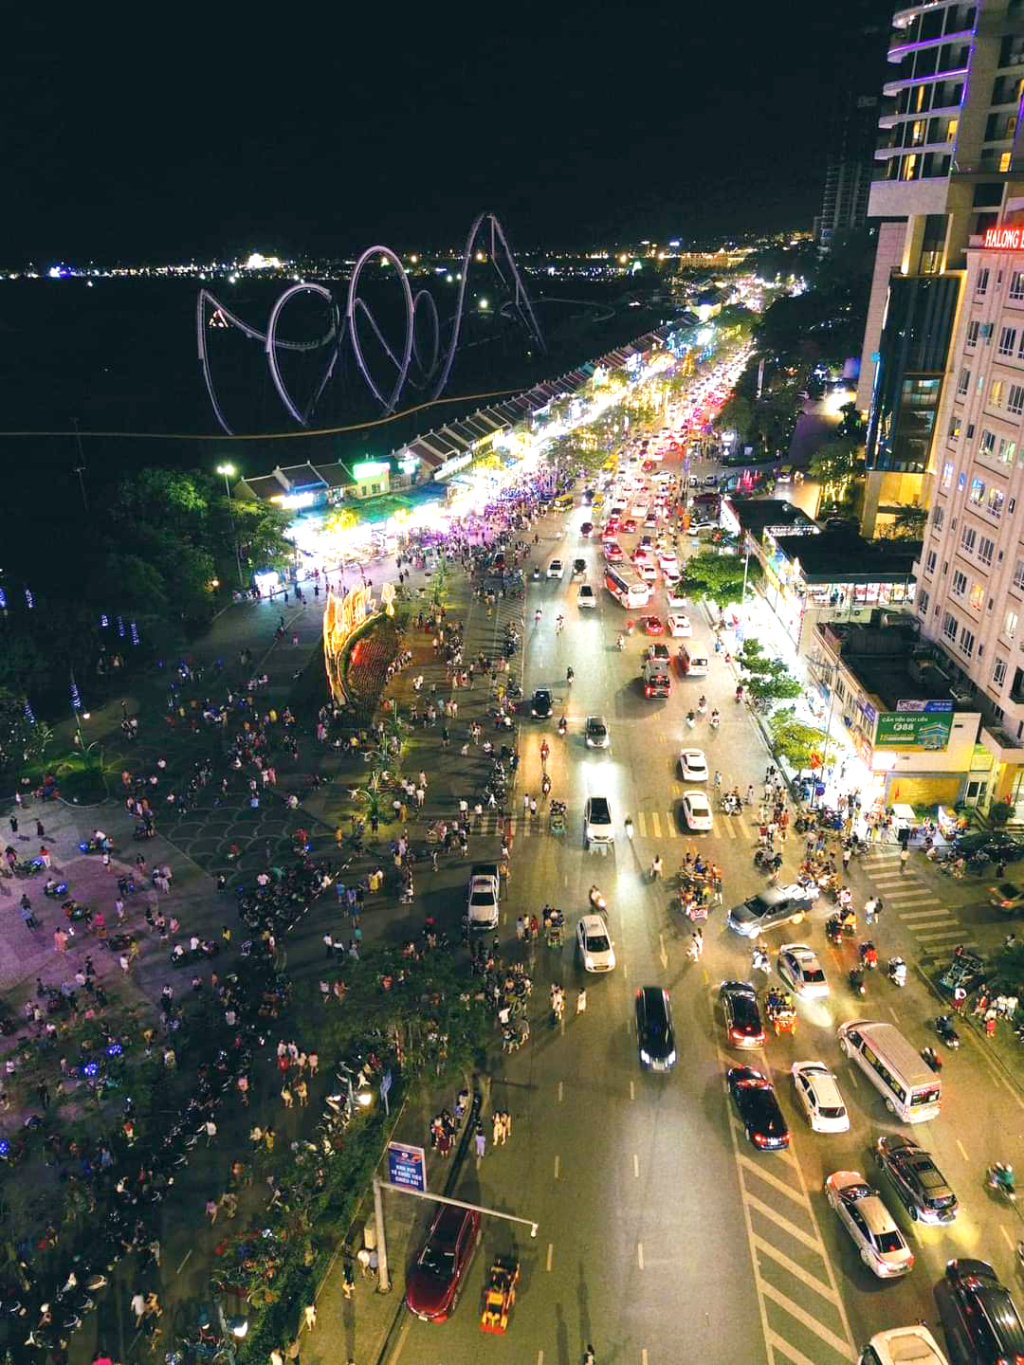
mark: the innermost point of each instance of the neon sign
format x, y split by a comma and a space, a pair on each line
1004, 238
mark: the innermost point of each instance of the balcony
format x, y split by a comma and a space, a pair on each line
894, 87
899, 46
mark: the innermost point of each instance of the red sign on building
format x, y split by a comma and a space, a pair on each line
1004, 238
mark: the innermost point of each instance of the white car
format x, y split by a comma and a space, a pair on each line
670, 575
585, 596
647, 571
799, 967
796, 891
698, 665
668, 559
693, 765
818, 1091
696, 811
639, 510
594, 944
483, 902
679, 625
875, 1233
903, 1346
556, 569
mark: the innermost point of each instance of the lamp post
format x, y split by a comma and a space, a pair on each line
228, 471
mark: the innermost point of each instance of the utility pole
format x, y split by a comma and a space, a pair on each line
80, 467
228, 471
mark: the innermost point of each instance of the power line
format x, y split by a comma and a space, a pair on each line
267, 436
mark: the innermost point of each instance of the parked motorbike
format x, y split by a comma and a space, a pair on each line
896, 970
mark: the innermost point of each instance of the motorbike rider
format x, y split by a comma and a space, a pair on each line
1001, 1176
559, 623
702, 705
715, 718
569, 675
739, 692
620, 641
563, 725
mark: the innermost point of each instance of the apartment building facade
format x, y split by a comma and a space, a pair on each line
950, 143
970, 597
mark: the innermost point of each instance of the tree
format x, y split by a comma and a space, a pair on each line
439, 586
719, 578
834, 465
909, 523
796, 742
22, 737
767, 679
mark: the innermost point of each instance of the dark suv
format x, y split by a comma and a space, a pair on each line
655, 1036
918, 1182
980, 1318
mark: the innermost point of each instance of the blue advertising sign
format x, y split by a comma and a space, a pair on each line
407, 1166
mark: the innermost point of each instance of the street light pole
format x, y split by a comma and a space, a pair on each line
228, 471
80, 467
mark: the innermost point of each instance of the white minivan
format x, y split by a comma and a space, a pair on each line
911, 1089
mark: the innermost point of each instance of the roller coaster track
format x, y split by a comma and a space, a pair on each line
340, 331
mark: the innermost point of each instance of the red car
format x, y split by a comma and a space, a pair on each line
629, 526
653, 625
613, 552
610, 531
432, 1284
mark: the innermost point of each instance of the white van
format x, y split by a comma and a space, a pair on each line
911, 1090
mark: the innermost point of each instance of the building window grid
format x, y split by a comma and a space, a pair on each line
949, 626
973, 328
999, 672
966, 644
1016, 289
1015, 399
1007, 341
986, 549
958, 586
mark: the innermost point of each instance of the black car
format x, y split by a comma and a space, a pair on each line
918, 1182
981, 845
742, 1017
579, 566
754, 1098
655, 1036
540, 703
774, 905
981, 1320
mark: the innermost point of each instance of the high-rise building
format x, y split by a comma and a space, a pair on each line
970, 578
849, 170
950, 145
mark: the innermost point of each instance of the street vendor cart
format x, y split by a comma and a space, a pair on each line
499, 1294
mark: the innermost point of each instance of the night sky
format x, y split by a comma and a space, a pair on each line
229, 129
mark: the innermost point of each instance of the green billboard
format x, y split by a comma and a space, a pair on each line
913, 731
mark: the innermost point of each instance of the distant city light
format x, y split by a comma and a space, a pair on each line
484, 305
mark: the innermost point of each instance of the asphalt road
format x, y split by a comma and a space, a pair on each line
663, 1236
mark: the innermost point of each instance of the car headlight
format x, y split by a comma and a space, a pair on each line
671, 1058
645, 1057
589, 963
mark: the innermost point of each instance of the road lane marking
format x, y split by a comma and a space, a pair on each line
540, 1358
561, 1091
625, 971
797, 1271
940, 936
745, 1164
641, 824
963, 1150
558, 1162
843, 1348
643, 1355
636, 1166
662, 951
185, 1261
777, 1343
551, 1252
400, 1343
655, 824
1009, 1239
632, 1091
925, 915
640, 1254
670, 826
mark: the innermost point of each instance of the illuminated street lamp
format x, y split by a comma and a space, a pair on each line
229, 471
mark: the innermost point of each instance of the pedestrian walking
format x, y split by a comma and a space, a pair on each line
581, 1001
481, 1140
211, 1131
287, 1097
959, 996
309, 1314
348, 1283
138, 1307
212, 1208
904, 859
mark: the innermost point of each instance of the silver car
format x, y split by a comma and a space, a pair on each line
875, 1233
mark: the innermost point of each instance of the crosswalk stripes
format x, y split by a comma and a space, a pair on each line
656, 824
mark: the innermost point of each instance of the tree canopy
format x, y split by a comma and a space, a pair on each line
797, 743
717, 577
767, 679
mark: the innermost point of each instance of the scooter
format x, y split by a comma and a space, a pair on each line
856, 980
1000, 1177
596, 899
932, 1058
868, 956
896, 970
944, 1028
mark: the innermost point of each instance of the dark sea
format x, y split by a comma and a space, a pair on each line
121, 357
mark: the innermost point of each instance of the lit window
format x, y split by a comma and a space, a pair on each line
977, 490
996, 498
995, 393
976, 597
1018, 574
947, 473
1010, 625
1007, 448
1004, 161
951, 128
916, 133
955, 426
988, 442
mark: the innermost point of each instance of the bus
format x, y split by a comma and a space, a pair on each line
911, 1090
628, 590
564, 502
